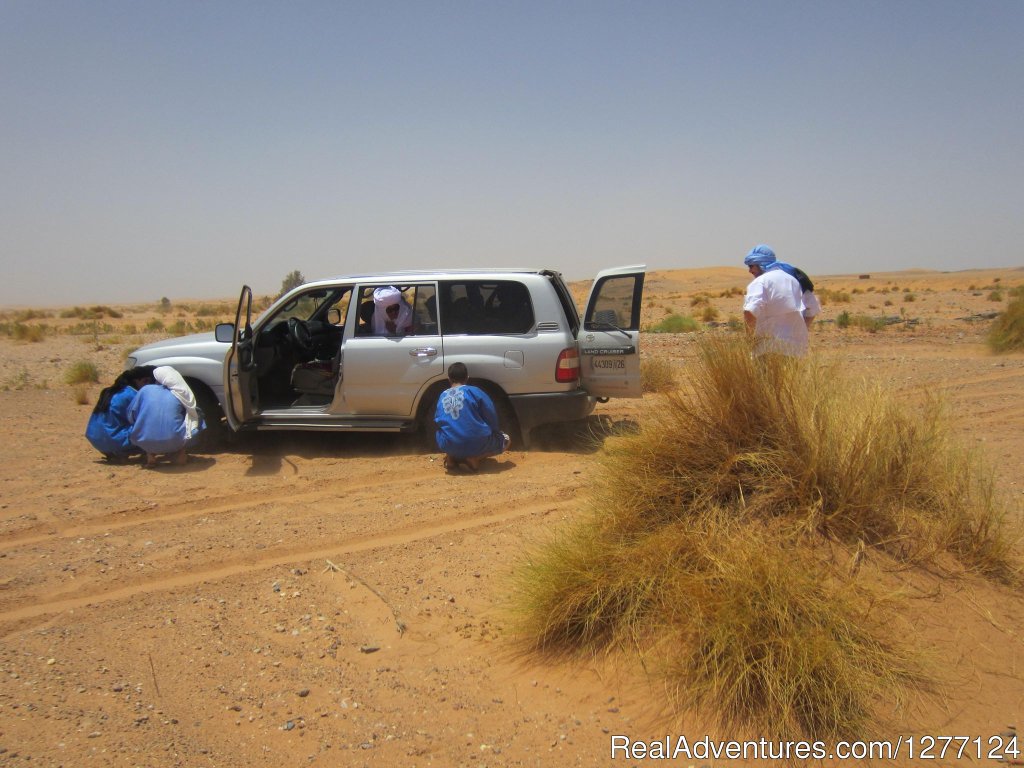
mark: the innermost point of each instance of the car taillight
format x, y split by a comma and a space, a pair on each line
567, 369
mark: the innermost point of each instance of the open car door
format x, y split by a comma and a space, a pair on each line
241, 395
609, 338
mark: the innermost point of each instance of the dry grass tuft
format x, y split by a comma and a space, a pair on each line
657, 375
82, 372
1007, 332
81, 394
710, 546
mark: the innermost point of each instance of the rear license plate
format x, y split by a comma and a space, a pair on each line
611, 363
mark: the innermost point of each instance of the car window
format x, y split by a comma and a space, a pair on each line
612, 304
311, 305
339, 302
478, 307
420, 317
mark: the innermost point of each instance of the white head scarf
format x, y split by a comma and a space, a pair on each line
172, 380
384, 298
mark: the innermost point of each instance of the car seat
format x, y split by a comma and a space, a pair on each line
364, 327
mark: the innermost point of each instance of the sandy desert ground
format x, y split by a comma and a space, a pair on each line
339, 600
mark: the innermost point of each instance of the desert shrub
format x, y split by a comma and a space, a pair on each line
1007, 331
22, 332
1016, 292
82, 372
724, 541
25, 315
208, 310
675, 323
130, 329
164, 305
888, 302
180, 327
995, 296
909, 297
700, 300
709, 314
828, 296
864, 322
729, 293
91, 313
92, 328
656, 375
867, 323
18, 381
156, 324
81, 394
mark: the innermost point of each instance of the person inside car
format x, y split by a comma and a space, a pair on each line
392, 315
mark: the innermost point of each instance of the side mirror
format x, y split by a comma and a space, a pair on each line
224, 332
334, 316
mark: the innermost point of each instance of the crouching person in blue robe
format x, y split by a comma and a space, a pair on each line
165, 418
467, 423
109, 429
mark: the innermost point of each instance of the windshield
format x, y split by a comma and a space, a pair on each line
310, 305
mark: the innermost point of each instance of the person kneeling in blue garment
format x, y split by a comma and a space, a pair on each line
165, 417
467, 423
109, 429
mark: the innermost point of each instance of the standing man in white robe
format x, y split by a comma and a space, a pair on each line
773, 308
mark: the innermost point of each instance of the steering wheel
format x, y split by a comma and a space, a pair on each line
300, 334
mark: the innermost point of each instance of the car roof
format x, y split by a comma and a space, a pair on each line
434, 274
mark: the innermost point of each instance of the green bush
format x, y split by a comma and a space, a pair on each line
675, 323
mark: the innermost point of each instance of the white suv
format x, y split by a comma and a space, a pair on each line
312, 362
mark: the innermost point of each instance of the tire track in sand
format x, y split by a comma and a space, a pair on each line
282, 556
154, 514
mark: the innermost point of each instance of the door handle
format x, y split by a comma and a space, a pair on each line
423, 352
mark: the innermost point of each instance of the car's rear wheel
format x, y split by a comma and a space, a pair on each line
506, 415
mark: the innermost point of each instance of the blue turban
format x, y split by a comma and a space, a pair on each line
761, 255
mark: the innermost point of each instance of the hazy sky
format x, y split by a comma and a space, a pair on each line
181, 148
